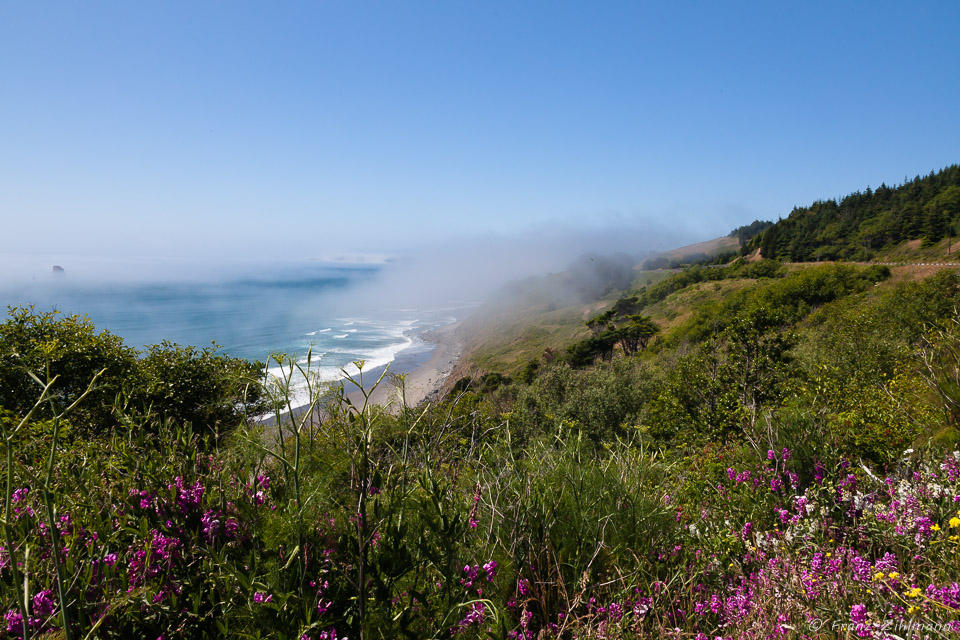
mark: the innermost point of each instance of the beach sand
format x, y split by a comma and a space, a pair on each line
424, 379
427, 371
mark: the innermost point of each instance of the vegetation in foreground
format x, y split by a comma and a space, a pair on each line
779, 464
741, 451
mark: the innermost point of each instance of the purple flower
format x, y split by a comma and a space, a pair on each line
14, 622
259, 596
523, 587
474, 616
211, 525
858, 613
43, 603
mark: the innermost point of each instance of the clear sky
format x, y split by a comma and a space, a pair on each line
176, 128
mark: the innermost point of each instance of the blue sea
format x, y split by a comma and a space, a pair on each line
270, 310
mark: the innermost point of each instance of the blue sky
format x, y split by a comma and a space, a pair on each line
180, 128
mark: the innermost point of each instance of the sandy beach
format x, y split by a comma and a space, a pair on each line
423, 380
426, 372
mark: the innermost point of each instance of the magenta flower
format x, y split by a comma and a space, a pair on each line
858, 613
43, 604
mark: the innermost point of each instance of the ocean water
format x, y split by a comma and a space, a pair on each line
289, 310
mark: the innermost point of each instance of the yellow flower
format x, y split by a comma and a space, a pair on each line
954, 522
829, 554
893, 575
911, 609
935, 527
878, 575
913, 593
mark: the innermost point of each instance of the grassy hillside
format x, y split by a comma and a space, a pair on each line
751, 450
509, 331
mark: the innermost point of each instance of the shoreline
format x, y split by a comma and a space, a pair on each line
426, 364
425, 370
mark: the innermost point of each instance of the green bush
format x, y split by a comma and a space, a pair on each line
69, 348
182, 384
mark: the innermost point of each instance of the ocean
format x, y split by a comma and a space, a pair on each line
273, 310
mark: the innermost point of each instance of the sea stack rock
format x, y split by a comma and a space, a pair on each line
58, 270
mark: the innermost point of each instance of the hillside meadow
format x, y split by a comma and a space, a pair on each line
777, 460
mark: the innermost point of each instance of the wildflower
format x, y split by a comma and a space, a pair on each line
43, 603
211, 524
954, 522
935, 527
262, 597
523, 587
878, 575
14, 622
858, 613
913, 593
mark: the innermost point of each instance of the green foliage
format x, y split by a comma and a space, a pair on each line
746, 232
201, 387
182, 384
69, 348
603, 402
864, 222
614, 327
791, 297
720, 390
656, 293
608, 501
